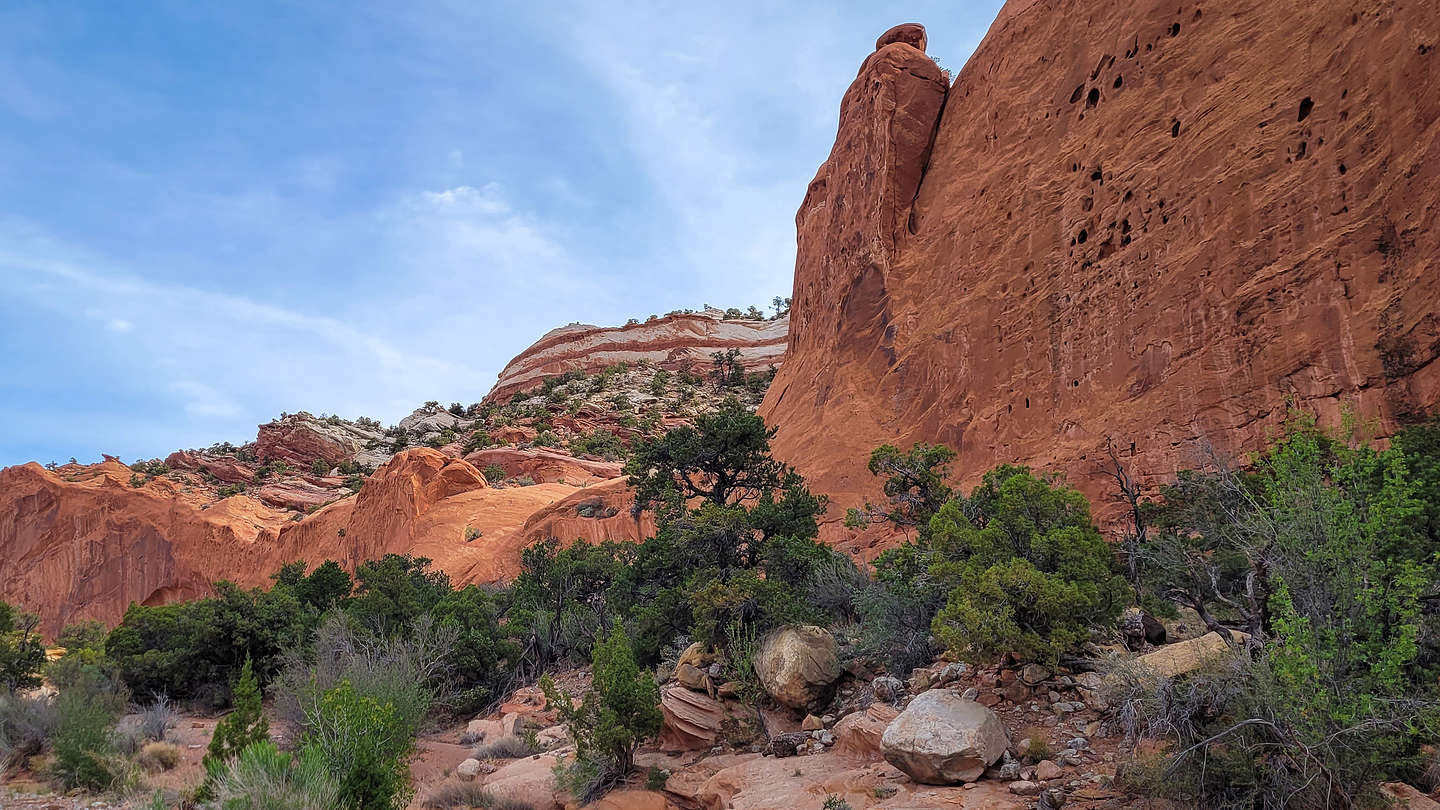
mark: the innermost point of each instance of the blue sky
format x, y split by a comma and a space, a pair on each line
212, 212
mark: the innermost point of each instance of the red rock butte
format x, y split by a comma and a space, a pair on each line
1156, 224
680, 341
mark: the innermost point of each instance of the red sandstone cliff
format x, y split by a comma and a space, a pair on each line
675, 342
1158, 223
84, 542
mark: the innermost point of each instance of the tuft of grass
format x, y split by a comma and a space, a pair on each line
157, 718
1040, 747
511, 747
158, 756
456, 795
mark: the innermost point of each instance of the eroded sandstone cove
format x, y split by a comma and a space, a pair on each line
1157, 225
1177, 253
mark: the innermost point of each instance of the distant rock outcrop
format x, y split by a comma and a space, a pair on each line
1151, 225
83, 542
683, 341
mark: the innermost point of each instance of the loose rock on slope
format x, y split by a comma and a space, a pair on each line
942, 739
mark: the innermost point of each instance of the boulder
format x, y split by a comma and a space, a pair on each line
696, 655
1034, 674
942, 739
692, 677
1407, 798
632, 800
1182, 657
888, 688
530, 780
690, 720
468, 770
798, 665
859, 733
1046, 770
912, 34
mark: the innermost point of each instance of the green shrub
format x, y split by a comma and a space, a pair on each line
366, 744
494, 473
319, 467
1027, 569
22, 655
479, 668
620, 711
392, 592
600, 443
1323, 552
27, 726
85, 747
245, 724
261, 777
403, 671
195, 650
479, 440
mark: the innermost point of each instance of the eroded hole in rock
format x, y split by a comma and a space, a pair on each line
1174, 129
1341, 167
1197, 16
1175, 30
1075, 96
1119, 80
1092, 98
1027, 402
1125, 226
1081, 236
1306, 105
1300, 152
1074, 383
1087, 204
1096, 175
1129, 195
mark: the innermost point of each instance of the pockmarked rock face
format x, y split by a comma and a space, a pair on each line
942, 739
674, 342
798, 665
1135, 223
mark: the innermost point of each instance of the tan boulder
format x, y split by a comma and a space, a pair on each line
696, 655
632, 800
798, 665
942, 739
1407, 797
859, 733
1182, 657
692, 677
530, 780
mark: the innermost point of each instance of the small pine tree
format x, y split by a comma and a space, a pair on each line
621, 710
244, 725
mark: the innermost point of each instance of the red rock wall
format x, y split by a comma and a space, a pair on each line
674, 342
82, 543
1157, 223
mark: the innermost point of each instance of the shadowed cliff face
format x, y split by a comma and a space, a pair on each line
1160, 224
